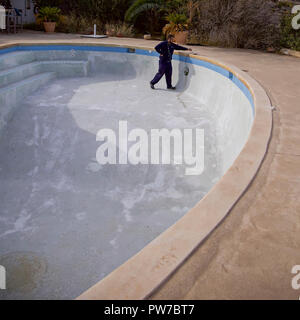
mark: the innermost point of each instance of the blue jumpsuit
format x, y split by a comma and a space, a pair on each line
166, 50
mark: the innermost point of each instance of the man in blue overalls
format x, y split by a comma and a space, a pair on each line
166, 50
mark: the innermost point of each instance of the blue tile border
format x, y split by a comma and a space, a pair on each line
152, 53
8, 50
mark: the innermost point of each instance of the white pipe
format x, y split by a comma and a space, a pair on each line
95, 30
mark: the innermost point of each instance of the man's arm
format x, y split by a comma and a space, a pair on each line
158, 48
177, 47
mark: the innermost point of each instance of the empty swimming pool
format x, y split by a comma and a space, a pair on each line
67, 221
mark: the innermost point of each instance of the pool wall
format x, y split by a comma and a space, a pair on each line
244, 127
226, 96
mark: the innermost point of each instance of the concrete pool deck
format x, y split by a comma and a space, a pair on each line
251, 254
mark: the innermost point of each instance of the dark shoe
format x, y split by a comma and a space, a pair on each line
152, 85
171, 88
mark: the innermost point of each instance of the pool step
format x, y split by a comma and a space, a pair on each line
63, 69
13, 94
67, 68
14, 59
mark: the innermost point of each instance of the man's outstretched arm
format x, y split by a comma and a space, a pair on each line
177, 47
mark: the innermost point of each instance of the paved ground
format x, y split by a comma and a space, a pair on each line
251, 254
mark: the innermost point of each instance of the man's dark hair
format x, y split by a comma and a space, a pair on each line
170, 36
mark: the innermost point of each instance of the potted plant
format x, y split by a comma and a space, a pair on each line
49, 16
178, 25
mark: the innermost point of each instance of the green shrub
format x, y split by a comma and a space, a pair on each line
120, 29
104, 10
149, 15
289, 37
72, 23
236, 23
177, 18
34, 26
177, 22
284, 4
49, 14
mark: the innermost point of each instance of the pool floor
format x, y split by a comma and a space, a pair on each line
66, 221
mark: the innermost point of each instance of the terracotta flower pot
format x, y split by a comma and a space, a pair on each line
181, 37
49, 26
